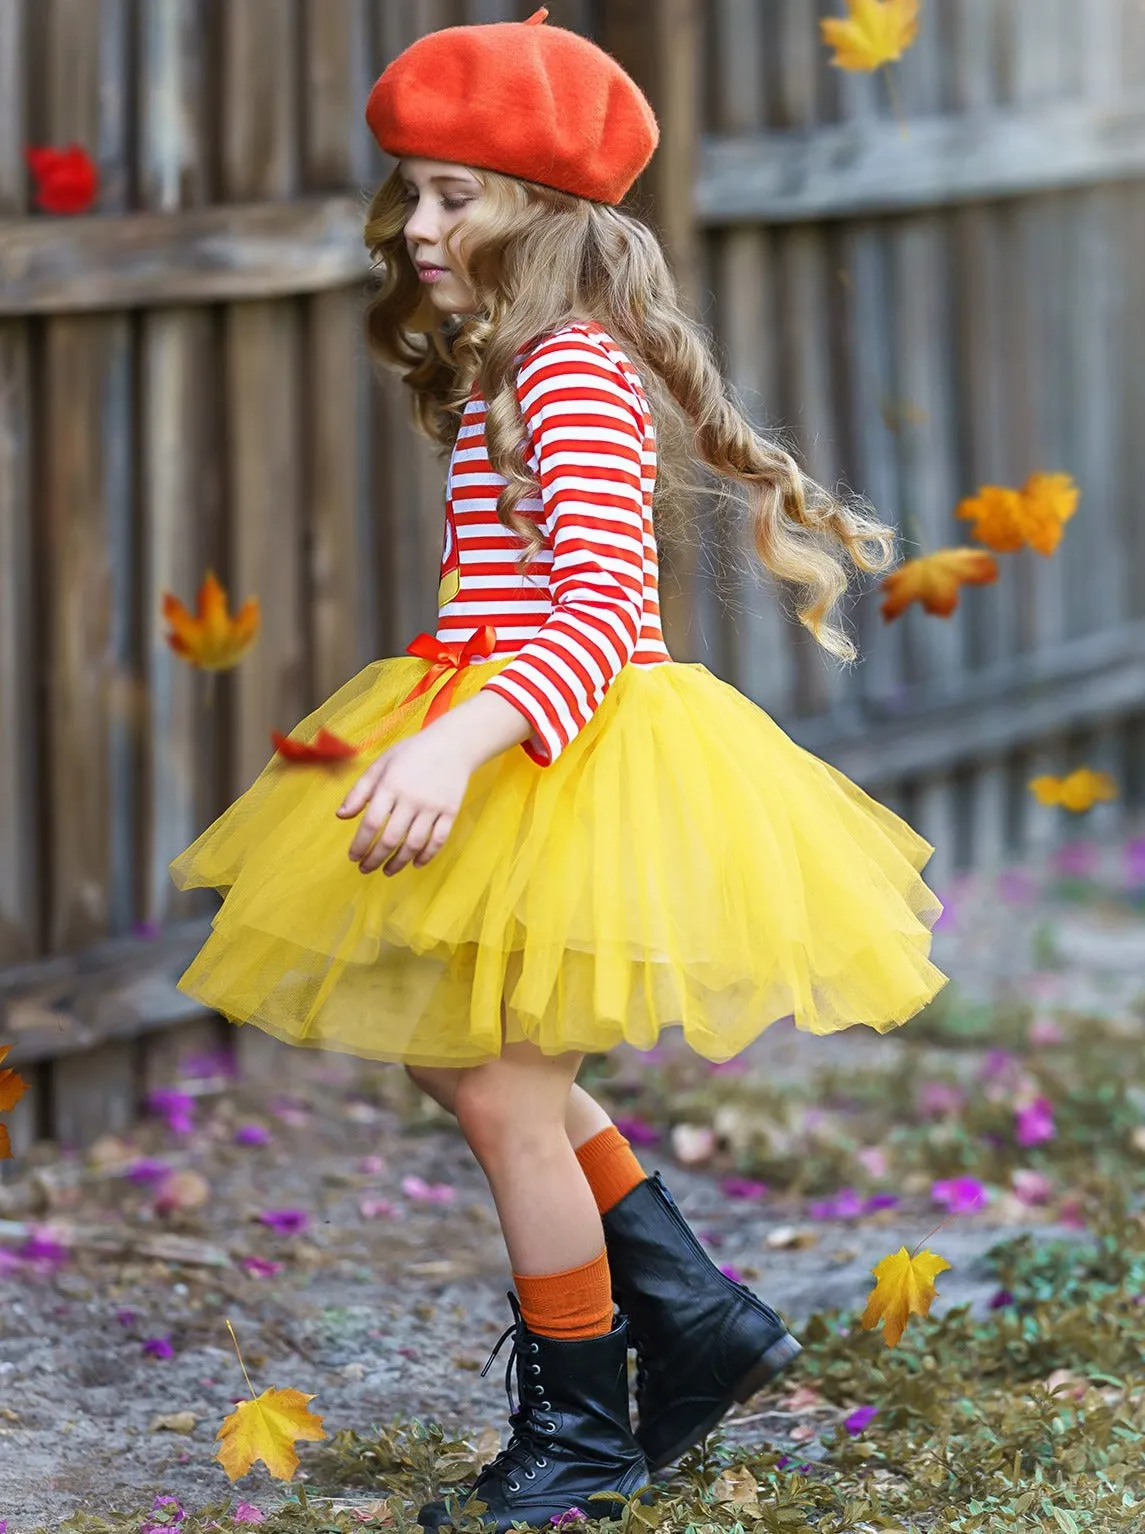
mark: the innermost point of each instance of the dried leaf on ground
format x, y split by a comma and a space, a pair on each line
267, 1429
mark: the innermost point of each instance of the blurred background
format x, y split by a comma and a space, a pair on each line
927, 279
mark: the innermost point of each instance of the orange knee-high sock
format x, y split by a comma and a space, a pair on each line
611, 1168
570, 1305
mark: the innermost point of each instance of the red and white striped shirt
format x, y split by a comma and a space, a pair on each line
589, 603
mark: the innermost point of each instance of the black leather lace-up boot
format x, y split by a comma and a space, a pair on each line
572, 1436
702, 1341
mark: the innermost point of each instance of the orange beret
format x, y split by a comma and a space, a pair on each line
531, 101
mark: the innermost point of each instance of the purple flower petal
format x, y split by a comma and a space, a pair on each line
288, 1222
146, 1170
246, 1512
40, 1246
159, 1347
126, 1317
860, 1419
1076, 860
1001, 1299
260, 1267
637, 1131
940, 1097
847, 1204
880, 1201
570, 1515
159, 1502
786, 1462
1035, 1122
212, 1062
729, 1271
961, 1195
743, 1187
1016, 887
252, 1134
428, 1192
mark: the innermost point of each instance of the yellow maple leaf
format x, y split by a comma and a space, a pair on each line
935, 579
904, 1284
996, 512
209, 638
873, 33
1048, 502
267, 1428
1079, 790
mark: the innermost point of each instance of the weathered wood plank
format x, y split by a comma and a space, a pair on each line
199, 255
341, 602
179, 486
850, 169
261, 117
20, 871
1028, 699
93, 1093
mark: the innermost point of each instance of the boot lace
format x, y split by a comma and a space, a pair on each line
523, 1455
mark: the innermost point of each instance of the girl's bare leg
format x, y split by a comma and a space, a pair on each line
512, 1113
584, 1117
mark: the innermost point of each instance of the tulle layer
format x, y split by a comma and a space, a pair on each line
683, 862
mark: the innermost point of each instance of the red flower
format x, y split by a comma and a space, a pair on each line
66, 179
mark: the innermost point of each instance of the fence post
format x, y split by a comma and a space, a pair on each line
658, 43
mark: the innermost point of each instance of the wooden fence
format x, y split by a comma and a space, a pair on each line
924, 295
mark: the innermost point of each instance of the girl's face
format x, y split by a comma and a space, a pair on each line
438, 195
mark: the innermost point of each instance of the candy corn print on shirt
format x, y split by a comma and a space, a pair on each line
589, 604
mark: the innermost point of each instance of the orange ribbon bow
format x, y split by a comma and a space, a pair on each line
328, 747
446, 657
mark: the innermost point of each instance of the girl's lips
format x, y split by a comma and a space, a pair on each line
432, 273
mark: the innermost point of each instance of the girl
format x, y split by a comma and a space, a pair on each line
583, 842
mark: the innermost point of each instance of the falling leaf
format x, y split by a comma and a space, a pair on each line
1078, 791
904, 1285
1048, 502
935, 580
266, 1429
874, 33
1007, 520
12, 1085
209, 638
325, 747
66, 179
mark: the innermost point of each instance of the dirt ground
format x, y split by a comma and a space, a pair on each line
388, 1302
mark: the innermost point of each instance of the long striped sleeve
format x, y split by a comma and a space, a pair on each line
586, 431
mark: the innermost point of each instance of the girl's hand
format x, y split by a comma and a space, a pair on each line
411, 794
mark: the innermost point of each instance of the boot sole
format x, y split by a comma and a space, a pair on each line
777, 1358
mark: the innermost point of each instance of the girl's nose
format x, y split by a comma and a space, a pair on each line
421, 225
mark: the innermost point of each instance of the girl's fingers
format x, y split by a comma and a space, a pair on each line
415, 840
401, 817
361, 790
380, 810
441, 829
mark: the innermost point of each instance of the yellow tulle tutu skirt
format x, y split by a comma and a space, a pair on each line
682, 862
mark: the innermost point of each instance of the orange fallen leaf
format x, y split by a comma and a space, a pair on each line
266, 1429
5, 1144
935, 580
1079, 790
209, 638
904, 1285
325, 747
873, 33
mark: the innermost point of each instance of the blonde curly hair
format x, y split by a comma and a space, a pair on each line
538, 259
